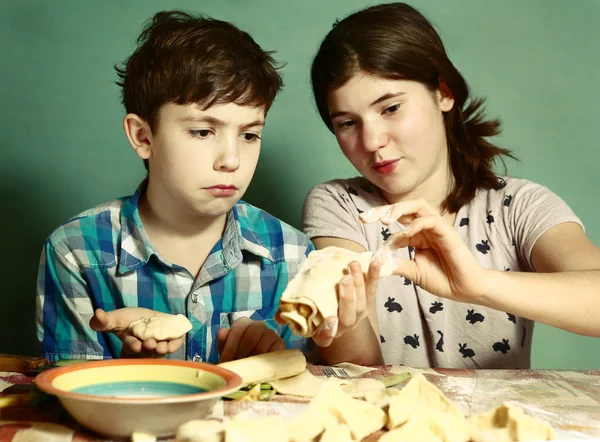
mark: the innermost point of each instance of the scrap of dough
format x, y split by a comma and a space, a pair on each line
311, 296
266, 429
508, 423
445, 427
358, 388
310, 423
304, 385
361, 417
307, 385
161, 327
381, 398
40, 431
337, 433
199, 430
143, 436
418, 396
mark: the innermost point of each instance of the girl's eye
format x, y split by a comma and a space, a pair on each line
200, 133
346, 124
392, 109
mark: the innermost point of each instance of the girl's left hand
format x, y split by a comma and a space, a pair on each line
443, 264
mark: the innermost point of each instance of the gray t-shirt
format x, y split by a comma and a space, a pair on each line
419, 329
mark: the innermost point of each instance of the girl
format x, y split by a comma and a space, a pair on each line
479, 257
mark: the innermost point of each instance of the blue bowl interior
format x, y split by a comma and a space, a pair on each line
139, 389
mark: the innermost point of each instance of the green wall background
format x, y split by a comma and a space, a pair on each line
63, 149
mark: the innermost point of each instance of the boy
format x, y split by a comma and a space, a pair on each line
196, 92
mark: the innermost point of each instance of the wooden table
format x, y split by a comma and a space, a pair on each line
568, 400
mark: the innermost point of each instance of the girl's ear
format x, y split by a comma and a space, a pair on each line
445, 97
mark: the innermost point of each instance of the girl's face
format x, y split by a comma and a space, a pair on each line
392, 131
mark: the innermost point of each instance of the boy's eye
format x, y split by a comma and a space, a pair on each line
250, 137
200, 133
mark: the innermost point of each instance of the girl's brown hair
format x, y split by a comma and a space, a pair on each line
395, 41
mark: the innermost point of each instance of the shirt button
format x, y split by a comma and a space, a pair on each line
197, 358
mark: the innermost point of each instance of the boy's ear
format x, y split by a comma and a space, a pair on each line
139, 135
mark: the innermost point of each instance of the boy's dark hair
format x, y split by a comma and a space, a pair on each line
396, 42
184, 59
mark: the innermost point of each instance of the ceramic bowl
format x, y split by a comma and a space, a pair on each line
119, 396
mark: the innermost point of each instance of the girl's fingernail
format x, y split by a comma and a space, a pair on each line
368, 215
333, 326
387, 217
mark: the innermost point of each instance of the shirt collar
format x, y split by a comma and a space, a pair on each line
136, 248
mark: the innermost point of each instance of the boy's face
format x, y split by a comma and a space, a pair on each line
202, 161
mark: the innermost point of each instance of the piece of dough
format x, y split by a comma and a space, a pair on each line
303, 385
361, 417
307, 385
337, 433
381, 398
143, 436
311, 296
445, 427
199, 430
268, 367
161, 327
358, 388
266, 429
418, 397
508, 423
310, 423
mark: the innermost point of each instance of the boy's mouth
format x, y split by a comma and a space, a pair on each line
222, 190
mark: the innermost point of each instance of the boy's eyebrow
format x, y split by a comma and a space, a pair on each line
254, 123
202, 119
217, 122
379, 100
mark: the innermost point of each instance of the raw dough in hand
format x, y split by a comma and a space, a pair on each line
311, 296
160, 327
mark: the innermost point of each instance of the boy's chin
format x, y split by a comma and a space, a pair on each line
215, 210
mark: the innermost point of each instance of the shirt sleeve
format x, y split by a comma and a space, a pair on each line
63, 310
329, 211
533, 210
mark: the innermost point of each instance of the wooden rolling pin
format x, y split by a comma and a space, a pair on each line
268, 366
21, 364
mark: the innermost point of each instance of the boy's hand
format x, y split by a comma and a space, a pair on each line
117, 322
247, 338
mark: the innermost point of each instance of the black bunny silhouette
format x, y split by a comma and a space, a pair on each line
502, 346
473, 317
413, 341
392, 306
465, 352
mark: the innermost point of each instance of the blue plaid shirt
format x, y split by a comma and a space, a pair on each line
103, 258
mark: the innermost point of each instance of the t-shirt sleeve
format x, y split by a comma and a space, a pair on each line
533, 210
330, 211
